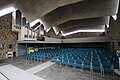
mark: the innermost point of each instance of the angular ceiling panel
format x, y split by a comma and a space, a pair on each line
97, 27
7, 3
66, 15
80, 10
83, 22
34, 9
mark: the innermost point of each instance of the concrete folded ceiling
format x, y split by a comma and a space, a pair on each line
7, 3
34, 9
66, 15
84, 28
80, 10
83, 23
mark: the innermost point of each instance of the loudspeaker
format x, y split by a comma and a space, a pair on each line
10, 46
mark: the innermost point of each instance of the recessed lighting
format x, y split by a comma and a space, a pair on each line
114, 17
107, 26
48, 29
55, 30
91, 30
34, 22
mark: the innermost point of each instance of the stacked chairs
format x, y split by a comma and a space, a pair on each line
88, 58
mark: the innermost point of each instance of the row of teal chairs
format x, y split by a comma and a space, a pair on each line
87, 58
42, 55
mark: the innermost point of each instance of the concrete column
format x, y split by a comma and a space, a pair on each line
22, 34
32, 33
26, 48
117, 45
119, 63
39, 31
42, 30
28, 28
111, 46
28, 32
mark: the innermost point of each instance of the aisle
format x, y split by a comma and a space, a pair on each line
39, 67
14, 73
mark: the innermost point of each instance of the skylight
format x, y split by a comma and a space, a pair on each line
91, 30
7, 11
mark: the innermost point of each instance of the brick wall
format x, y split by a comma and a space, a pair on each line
114, 31
6, 35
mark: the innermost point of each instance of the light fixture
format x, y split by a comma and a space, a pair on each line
91, 30
114, 17
107, 26
48, 29
22, 16
55, 30
7, 11
34, 22
45, 26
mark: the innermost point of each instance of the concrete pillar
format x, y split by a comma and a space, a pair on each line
28, 32
119, 63
39, 31
32, 33
28, 28
22, 34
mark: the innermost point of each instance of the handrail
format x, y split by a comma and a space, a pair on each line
4, 76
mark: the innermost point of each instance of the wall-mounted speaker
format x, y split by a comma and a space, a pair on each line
10, 46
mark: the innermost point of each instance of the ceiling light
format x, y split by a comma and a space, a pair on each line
107, 26
114, 17
45, 28
22, 16
34, 22
7, 11
55, 30
92, 30
48, 29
